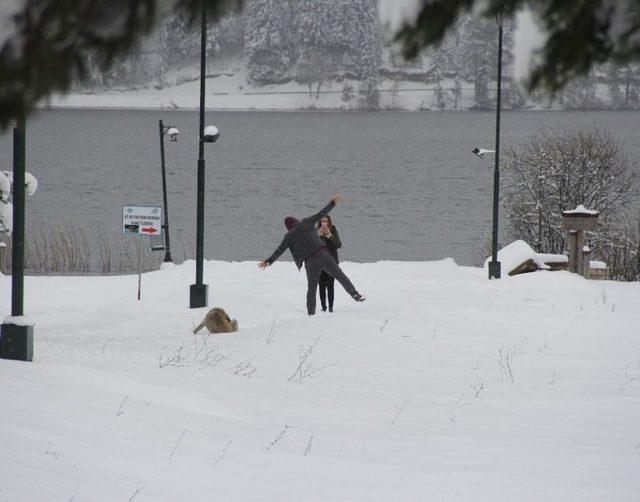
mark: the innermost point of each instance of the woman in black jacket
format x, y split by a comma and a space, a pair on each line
329, 235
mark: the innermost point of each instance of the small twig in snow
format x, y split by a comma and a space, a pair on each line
136, 493
176, 446
504, 364
305, 368
245, 368
308, 446
279, 436
386, 321
478, 389
224, 450
629, 379
120, 410
272, 333
404, 405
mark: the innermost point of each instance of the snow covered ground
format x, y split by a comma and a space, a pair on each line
443, 385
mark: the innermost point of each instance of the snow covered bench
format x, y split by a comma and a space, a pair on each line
519, 258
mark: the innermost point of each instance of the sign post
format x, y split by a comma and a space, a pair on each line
141, 220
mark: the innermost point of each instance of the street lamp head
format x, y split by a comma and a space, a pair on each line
211, 134
173, 133
480, 152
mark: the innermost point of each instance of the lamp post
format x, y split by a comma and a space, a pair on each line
16, 340
173, 136
494, 264
199, 292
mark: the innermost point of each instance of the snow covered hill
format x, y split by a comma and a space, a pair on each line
443, 385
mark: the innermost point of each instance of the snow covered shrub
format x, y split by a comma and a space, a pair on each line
556, 172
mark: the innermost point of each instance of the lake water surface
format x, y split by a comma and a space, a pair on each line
412, 189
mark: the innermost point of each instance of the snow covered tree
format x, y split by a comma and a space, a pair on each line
579, 94
557, 172
180, 40
631, 79
319, 53
338, 39
614, 81
267, 40
362, 37
481, 53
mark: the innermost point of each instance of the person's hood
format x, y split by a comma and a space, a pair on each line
289, 222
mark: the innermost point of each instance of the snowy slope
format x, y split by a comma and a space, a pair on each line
442, 386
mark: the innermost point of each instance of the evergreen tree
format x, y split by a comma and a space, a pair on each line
267, 41
338, 39
631, 79
614, 81
580, 94
481, 52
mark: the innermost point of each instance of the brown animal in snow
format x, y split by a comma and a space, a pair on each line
217, 321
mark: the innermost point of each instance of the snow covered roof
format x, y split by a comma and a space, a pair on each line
553, 258
581, 211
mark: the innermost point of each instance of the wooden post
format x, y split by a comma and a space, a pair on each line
578, 252
576, 221
572, 251
586, 261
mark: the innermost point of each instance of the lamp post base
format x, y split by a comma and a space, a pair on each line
198, 296
494, 270
16, 342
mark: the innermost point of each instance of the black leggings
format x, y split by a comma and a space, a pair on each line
326, 289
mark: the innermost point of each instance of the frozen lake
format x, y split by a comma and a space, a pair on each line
412, 189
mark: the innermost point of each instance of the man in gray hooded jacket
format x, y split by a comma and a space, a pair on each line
306, 247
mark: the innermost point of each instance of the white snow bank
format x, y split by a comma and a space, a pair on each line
515, 254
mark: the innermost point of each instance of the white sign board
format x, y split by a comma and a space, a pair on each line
141, 220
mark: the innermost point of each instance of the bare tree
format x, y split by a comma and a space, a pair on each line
556, 172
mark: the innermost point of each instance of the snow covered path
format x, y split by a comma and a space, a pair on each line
441, 386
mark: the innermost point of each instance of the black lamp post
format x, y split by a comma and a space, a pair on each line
173, 136
199, 292
16, 340
494, 264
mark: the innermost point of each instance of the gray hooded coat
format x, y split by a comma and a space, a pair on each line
302, 238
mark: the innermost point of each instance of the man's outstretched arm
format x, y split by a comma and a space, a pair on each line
332, 203
276, 254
